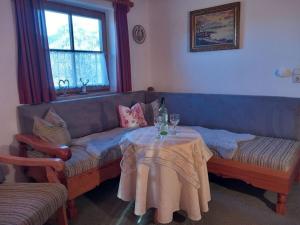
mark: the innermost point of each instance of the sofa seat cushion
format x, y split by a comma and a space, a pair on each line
80, 162
30, 203
95, 150
274, 153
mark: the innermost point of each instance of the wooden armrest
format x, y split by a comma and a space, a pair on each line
60, 151
56, 164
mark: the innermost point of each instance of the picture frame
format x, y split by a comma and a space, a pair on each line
215, 28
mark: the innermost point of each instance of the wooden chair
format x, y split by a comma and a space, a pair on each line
38, 199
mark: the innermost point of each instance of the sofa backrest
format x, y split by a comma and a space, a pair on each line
266, 116
83, 116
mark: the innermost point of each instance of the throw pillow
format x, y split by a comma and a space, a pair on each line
150, 111
55, 119
132, 117
52, 129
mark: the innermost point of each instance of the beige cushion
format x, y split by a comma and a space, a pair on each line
150, 111
30, 203
55, 119
52, 129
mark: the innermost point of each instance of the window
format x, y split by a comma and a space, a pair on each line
77, 45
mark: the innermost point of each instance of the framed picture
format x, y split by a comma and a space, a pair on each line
216, 28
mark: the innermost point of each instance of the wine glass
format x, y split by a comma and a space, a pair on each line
174, 120
157, 124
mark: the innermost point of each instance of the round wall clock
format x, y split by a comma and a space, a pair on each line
139, 34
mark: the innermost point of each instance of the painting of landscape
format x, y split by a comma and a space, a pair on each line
214, 29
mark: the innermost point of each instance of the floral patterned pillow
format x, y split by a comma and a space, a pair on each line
132, 117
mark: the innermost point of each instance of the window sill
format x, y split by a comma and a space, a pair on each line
83, 96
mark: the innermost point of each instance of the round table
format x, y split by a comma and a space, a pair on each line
169, 174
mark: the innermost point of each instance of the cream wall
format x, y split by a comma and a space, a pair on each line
140, 53
269, 38
8, 82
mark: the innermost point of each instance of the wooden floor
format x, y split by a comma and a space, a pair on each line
234, 203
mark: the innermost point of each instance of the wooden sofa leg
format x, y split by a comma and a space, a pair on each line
72, 210
281, 203
62, 216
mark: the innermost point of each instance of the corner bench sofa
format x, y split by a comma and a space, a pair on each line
96, 117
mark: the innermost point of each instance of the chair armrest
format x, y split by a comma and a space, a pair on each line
60, 151
57, 164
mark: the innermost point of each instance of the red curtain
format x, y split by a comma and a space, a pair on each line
123, 51
35, 81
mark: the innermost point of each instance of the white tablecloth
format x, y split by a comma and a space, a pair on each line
168, 174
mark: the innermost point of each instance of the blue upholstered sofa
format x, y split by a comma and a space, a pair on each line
274, 120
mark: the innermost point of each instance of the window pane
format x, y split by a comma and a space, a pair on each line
88, 66
86, 32
58, 30
62, 68
92, 67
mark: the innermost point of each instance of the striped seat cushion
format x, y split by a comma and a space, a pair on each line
30, 203
274, 153
82, 160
